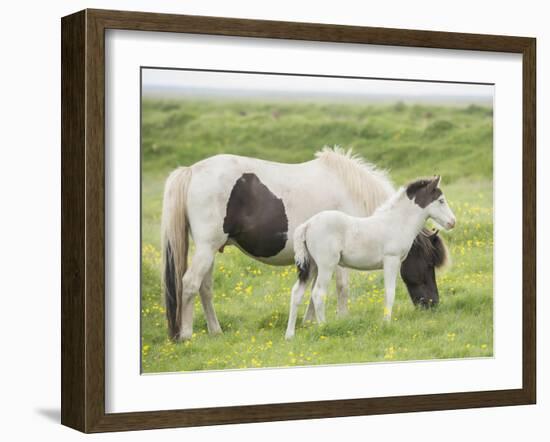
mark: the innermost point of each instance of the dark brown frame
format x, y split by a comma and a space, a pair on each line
83, 216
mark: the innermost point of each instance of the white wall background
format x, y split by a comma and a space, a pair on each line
30, 216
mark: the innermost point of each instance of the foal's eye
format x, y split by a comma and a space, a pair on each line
441, 201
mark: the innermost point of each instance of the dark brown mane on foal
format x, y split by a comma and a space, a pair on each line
416, 185
424, 191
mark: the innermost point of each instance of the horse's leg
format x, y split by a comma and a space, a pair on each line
319, 292
310, 312
341, 275
309, 316
296, 297
191, 283
206, 295
342, 292
391, 268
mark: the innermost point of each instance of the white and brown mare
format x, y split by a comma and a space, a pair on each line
256, 205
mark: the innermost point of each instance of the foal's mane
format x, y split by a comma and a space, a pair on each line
366, 183
391, 201
404, 190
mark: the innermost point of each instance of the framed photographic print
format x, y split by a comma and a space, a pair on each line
268, 220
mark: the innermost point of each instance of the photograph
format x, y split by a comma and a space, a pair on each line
296, 220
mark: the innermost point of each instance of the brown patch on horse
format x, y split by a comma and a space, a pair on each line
255, 218
424, 192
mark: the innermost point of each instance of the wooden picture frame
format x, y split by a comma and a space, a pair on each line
83, 220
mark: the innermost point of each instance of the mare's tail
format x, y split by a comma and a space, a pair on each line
175, 244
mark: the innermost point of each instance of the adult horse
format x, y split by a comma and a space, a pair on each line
256, 205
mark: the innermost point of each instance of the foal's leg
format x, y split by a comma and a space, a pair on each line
391, 268
342, 291
319, 292
341, 275
296, 297
206, 294
310, 311
191, 282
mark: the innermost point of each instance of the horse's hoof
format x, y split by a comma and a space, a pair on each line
184, 337
289, 336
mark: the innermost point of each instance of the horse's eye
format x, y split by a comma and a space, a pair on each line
441, 201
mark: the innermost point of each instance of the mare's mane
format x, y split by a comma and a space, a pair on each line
366, 183
433, 248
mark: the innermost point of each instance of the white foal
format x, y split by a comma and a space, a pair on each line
381, 241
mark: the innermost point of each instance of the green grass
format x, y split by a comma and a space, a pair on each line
251, 299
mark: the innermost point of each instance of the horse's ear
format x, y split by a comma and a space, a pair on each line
433, 184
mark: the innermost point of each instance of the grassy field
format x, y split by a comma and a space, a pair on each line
251, 299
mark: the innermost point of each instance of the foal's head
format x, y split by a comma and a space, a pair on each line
428, 196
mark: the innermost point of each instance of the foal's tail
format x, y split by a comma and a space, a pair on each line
175, 244
301, 254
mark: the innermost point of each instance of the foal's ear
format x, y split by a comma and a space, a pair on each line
434, 183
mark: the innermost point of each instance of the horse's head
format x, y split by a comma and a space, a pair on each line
418, 269
428, 196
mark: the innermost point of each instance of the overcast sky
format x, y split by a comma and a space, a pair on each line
180, 83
